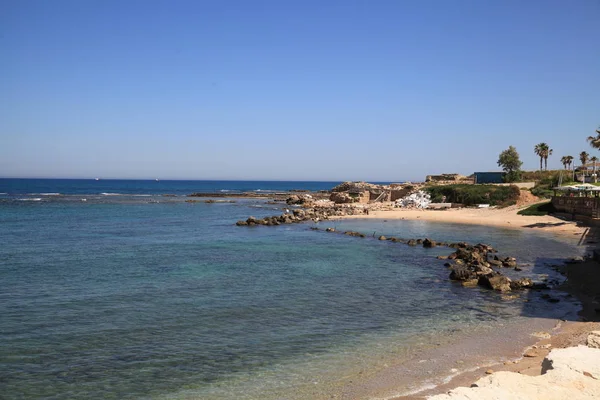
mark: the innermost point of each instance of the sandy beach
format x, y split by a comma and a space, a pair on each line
497, 217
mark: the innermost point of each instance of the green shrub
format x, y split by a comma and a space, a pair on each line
543, 191
475, 194
538, 209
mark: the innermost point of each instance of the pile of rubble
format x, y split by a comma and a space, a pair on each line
419, 199
358, 186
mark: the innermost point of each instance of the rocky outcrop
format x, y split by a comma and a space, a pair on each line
341, 198
572, 373
357, 187
299, 199
471, 266
593, 339
495, 281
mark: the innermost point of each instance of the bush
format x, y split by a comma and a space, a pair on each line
538, 209
543, 191
513, 176
475, 194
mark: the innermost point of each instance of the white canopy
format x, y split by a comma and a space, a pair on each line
581, 187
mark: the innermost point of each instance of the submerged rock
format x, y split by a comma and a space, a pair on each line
428, 243
356, 234
523, 283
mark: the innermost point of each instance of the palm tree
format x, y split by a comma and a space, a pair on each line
548, 153
569, 160
595, 140
594, 160
584, 157
543, 151
564, 161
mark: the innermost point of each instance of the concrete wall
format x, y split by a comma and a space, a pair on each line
362, 197
398, 194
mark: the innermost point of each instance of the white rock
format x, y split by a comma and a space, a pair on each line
579, 359
570, 374
593, 339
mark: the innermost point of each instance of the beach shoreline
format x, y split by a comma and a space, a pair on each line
580, 284
493, 217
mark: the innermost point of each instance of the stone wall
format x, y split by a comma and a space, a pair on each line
578, 206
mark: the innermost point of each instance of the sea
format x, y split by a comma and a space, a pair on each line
120, 289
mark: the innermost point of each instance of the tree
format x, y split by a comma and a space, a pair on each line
566, 161
548, 153
543, 151
595, 140
583, 157
594, 160
511, 164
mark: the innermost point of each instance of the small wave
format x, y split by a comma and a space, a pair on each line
141, 195
3, 193
31, 199
111, 194
49, 194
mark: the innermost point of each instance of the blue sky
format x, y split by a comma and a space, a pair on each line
300, 90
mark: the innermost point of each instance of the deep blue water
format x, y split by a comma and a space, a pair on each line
91, 186
152, 297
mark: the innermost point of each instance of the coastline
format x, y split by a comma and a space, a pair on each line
582, 279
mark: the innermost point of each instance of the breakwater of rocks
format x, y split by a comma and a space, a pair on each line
470, 265
301, 215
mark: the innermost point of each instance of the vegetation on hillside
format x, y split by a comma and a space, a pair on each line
538, 209
470, 195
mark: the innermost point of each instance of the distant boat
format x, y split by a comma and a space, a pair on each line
97, 179
156, 179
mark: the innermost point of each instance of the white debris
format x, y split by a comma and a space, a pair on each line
419, 199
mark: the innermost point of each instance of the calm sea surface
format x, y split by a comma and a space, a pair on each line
140, 295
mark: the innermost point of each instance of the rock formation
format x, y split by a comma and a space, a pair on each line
572, 373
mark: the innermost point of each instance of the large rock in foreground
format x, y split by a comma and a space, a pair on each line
570, 373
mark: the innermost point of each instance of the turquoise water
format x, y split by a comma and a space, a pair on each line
153, 297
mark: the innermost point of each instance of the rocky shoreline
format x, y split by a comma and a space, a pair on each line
471, 265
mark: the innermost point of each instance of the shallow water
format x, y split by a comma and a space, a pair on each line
156, 298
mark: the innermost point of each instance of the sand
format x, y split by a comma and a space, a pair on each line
498, 217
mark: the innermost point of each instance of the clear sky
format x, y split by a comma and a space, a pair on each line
293, 90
